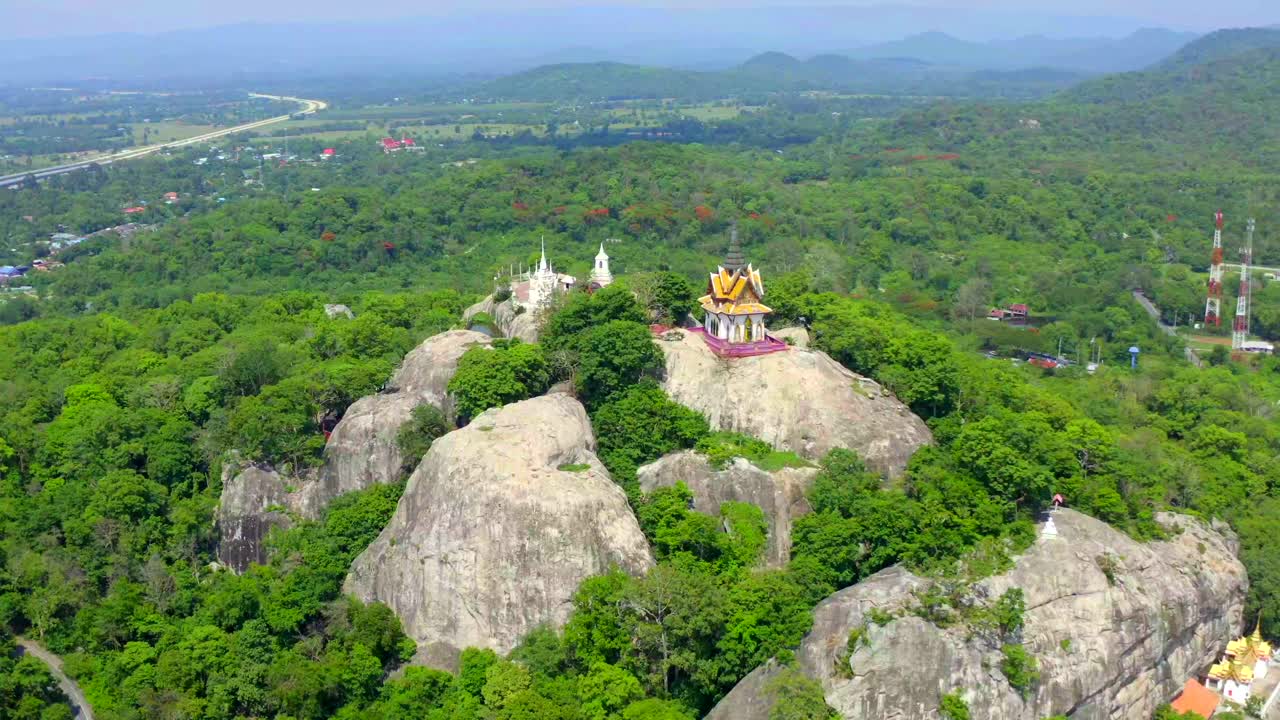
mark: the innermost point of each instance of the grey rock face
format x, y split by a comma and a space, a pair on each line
495, 531
798, 400
335, 311
361, 451
781, 494
512, 322
795, 336
251, 504
1108, 649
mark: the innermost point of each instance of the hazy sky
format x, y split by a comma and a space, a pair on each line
56, 18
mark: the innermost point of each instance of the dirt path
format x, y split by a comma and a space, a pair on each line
79, 705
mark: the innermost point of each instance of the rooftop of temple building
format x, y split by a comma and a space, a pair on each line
1231, 669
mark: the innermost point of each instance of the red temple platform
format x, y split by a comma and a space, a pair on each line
724, 348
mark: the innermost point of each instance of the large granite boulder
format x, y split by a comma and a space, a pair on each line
511, 319
361, 451
496, 529
781, 494
1117, 627
798, 400
254, 500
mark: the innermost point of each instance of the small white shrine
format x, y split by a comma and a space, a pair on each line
600, 275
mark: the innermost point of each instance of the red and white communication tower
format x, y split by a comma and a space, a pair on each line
1213, 305
1240, 330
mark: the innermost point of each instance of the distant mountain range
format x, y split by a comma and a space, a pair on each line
1095, 54
931, 63
501, 42
771, 72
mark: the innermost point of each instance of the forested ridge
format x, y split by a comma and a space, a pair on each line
142, 366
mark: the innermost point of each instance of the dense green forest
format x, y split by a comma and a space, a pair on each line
139, 366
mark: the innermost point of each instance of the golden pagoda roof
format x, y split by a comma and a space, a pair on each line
1230, 669
728, 285
1250, 648
735, 292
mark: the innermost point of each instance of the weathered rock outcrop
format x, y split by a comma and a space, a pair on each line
337, 311
794, 336
798, 400
781, 494
1117, 626
253, 500
496, 529
511, 319
361, 451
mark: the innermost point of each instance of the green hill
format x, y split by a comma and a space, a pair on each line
1223, 44
1208, 104
770, 73
601, 80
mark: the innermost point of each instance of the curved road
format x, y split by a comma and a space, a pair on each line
309, 107
1154, 312
68, 686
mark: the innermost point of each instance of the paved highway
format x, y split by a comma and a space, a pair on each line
309, 107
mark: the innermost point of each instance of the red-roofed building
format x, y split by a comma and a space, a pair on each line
134, 210
407, 142
390, 145
171, 197
1198, 699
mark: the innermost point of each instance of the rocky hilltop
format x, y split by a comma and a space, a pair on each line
511, 320
781, 495
798, 400
496, 529
1116, 626
361, 452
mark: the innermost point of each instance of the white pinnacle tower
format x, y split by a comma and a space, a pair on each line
600, 275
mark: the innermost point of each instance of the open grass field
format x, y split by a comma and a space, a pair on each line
166, 131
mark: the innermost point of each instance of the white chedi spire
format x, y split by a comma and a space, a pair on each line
542, 263
600, 275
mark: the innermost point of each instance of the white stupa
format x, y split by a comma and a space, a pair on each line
600, 275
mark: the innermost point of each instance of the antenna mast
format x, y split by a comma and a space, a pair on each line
1213, 305
1240, 331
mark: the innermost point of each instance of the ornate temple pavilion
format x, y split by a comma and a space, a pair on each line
734, 308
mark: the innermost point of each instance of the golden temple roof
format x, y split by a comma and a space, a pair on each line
1250, 648
728, 285
735, 292
1230, 669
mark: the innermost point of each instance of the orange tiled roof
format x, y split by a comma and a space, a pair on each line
1198, 699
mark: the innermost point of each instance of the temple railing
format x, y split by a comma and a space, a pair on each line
724, 348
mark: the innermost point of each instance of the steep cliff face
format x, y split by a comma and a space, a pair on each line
798, 400
496, 529
1116, 626
252, 502
361, 451
781, 494
511, 321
